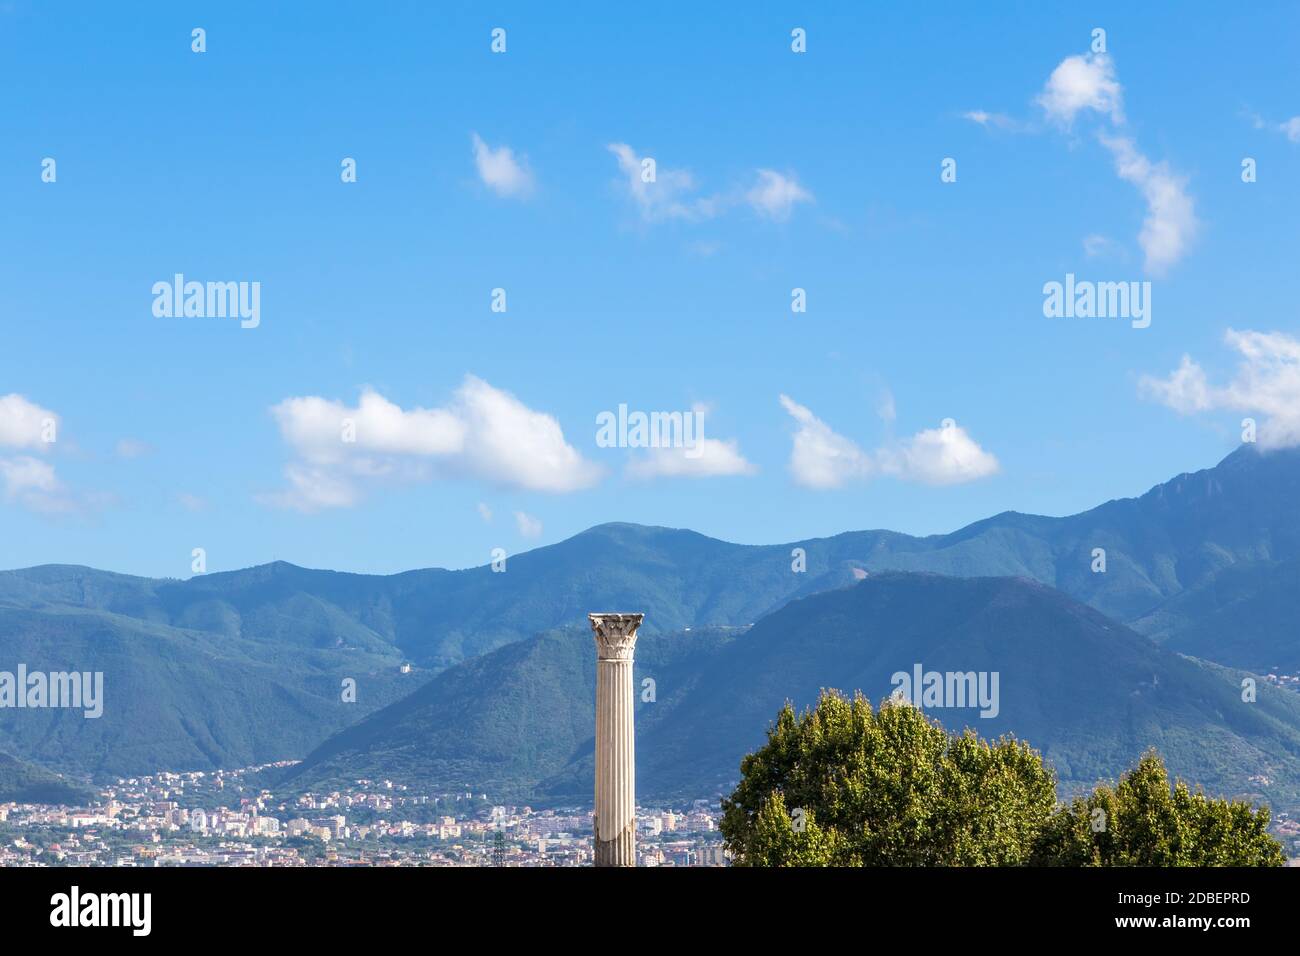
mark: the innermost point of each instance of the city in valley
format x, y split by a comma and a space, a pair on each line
227, 818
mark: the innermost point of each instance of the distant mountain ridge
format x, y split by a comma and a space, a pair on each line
1088, 692
1176, 538
246, 666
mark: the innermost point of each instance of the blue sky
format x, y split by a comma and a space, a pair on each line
775, 170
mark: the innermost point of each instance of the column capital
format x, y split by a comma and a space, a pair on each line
615, 635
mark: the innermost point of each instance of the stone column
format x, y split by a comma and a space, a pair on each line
615, 815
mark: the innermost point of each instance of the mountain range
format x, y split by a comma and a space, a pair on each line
245, 667
1090, 693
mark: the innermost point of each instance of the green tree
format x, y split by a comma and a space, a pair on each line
1143, 822
842, 785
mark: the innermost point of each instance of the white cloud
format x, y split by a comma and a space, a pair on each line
1185, 390
1088, 83
510, 444
26, 480
1288, 128
669, 196
32, 483
991, 120
529, 527
886, 408
1079, 83
775, 195
319, 429
501, 171
821, 458
939, 456
1266, 383
674, 194
484, 433
1170, 224
314, 489
485, 512
709, 458
1096, 245
25, 424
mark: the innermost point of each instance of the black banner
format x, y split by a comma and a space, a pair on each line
338, 905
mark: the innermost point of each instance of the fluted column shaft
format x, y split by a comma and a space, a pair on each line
615, 803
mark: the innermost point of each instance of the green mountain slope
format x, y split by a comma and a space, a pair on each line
180, 699
1092, 694
1243, 616
22, 782
503, 720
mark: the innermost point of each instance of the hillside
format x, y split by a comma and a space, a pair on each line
504, 720
1090, 693
22, 782
180, 699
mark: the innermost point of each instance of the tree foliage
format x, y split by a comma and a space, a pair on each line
843, 785
1142, 822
